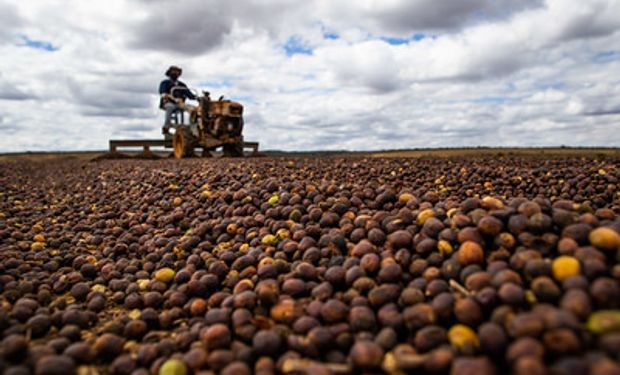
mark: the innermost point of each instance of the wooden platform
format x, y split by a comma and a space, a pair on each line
146, 144
251, 145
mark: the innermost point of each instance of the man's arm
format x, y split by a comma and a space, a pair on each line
187, 92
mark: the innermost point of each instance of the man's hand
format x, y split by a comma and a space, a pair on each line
168, 97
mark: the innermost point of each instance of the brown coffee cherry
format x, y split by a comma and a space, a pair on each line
366, 355
470, 253
472, 366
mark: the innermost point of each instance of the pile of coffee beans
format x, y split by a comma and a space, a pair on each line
331, 265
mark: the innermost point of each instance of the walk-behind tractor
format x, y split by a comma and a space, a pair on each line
212, 124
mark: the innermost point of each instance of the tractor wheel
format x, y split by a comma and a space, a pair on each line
183, 143
233, 150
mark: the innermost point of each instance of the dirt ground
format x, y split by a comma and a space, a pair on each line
414, 153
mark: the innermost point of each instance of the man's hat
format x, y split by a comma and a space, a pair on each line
173, 67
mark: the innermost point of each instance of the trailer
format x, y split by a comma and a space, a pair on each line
147, 144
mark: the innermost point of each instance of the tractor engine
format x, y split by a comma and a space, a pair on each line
222, 118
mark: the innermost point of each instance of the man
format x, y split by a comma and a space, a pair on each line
170, 89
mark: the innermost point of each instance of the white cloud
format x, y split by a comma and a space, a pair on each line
484, 73
404, 16
10, 20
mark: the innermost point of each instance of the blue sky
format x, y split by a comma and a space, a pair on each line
398, 41
296, 45
603, 57
345, 74
38, 44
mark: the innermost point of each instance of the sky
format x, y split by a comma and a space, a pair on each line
316, 74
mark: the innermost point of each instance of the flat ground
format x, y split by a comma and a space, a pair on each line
87, 155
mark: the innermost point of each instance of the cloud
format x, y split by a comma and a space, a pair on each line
190, 28
594, 19
111, 97
113, 112
10, 21
609, 112
6, 125
404, 17
198, 26
181, 29
370, 64
319, 74
10, 91
136, 128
